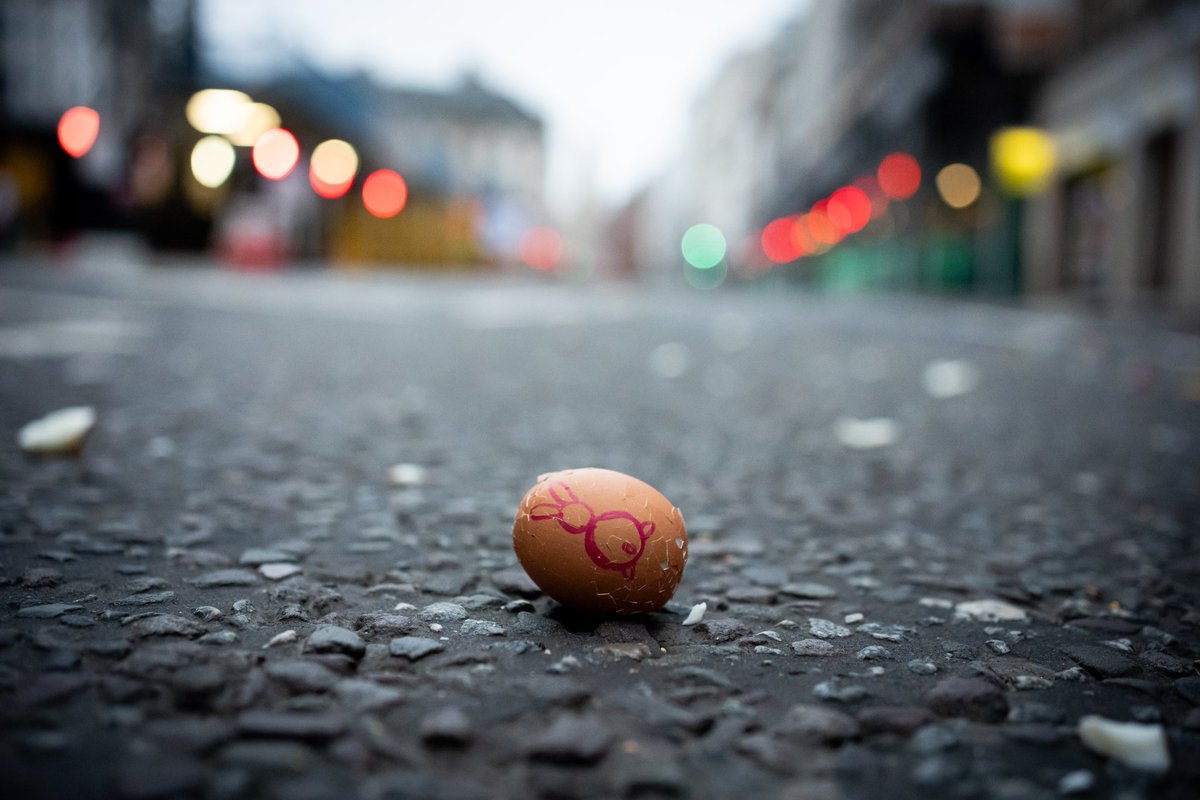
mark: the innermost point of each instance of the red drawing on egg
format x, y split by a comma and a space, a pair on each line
575, 516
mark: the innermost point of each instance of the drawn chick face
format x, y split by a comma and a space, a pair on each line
589, 536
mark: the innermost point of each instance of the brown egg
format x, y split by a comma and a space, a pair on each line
601, 541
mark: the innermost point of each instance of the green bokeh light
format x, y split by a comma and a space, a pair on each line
706, 279
703, 246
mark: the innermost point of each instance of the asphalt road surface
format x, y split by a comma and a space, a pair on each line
931, 537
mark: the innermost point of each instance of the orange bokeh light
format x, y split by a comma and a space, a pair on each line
384, 193
541, 248
275, 154
802, 238
332, 168
850, 209
777, 241
821, 228
77, 130
899, 176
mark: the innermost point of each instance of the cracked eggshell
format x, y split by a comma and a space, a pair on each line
601, 541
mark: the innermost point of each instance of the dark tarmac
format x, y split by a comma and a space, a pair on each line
931, 537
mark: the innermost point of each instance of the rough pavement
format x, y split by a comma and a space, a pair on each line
931, 538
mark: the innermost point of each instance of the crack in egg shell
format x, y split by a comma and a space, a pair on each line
596, 540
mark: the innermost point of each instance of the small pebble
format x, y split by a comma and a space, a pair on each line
60, 432
824, 629
277, 572
989, 611
287, 637
481, 627
1142, 747
1077, 782
874, 652
812, 647
405, 475
414, 647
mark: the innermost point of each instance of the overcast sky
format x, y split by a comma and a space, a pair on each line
613, 79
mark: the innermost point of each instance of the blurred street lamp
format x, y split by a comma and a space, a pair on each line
222, 111
541, 249
958, 184
703, 246
1023, 160
77, 130
275, 154
212, 161
899, 176
259, 118
384, 193
332, 168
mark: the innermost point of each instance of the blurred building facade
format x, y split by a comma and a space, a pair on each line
115, 55
472, 159
474, 162
850, 81
1121, 221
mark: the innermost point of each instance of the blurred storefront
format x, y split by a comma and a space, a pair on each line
1120, 224
114, 115
1054, 147
115, 55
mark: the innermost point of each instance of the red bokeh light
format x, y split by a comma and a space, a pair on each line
879, 200
850, 209
384, 193
541, 248
899, 176
330, 191
275, 154
77, 130
777, 241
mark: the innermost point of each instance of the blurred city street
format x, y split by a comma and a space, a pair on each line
932, 537
895, 306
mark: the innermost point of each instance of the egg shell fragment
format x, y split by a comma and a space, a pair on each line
601, 541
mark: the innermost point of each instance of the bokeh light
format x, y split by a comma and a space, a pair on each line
258, 119
77, 130
275, 154
706, 278
849, 208
384, 193
332, 168
958, 184
541, 248
879, 201
222, 111
777, 241
820, 227
703, 246
212, 161
1023, 159
802, 240
899, 176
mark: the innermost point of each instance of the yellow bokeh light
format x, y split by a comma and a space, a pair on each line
1023, 159
959, 185
259, 118
222, 111
213, 158
334, 162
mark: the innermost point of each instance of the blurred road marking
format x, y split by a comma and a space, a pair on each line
542, 306
71, 337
